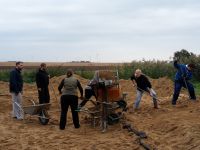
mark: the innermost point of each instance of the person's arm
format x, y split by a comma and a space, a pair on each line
188, 76
176, 65
61, 86
38, 82
80, 88
133, 80
13, 78
47, 77
148, 83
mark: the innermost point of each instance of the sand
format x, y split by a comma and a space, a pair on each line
167, 128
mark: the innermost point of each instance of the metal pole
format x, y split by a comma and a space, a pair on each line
185, 82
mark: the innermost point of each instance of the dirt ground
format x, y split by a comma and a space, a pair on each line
167, 128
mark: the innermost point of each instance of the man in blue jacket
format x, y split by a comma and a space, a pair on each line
16, 88
182, 77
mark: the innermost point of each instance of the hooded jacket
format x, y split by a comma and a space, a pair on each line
182, 72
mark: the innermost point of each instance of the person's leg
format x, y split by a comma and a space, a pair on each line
154, 96
18, 106
41, 96
177, 89
64, 109
47, 96
88, 95
74, 105
83, 102
138, 98
13, 105
191, 91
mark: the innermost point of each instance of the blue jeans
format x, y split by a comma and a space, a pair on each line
177, 89
139, 97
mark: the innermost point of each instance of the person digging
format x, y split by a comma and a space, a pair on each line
143, 85
182, 77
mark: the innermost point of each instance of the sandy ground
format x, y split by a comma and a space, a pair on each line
167, 128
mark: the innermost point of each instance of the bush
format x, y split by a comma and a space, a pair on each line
4, 75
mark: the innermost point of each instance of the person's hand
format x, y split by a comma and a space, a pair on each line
149, 91
39, 89
81, 97
175, 59
152, 92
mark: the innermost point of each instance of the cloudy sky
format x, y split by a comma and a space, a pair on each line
97, 30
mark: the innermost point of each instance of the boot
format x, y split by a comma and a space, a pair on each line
155, 105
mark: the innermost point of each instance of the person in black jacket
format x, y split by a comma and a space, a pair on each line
16, 88
42, 81
143, 85
89, 92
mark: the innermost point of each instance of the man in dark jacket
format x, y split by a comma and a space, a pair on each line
89, 92
42, 81
143, 85
182, 77
16, 88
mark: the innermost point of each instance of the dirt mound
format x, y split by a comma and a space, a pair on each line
57, 80
163, 86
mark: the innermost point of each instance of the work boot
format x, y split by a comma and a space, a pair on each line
155, 105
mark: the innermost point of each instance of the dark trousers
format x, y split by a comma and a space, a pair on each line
44, 95
88, 94
66, 101
177, 89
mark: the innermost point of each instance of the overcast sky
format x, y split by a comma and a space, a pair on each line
97, 30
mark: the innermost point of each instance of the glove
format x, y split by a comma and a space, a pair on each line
175, 59
81, 98
185, 76
151, 92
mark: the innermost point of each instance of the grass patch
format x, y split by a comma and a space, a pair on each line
197, 88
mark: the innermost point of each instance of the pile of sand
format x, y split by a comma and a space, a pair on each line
168, 128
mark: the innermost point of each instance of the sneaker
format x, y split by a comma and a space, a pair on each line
173, 103
79, 108
76, 127
192, 99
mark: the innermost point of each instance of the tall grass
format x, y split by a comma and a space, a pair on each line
197, 88
153, 69
4, 75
